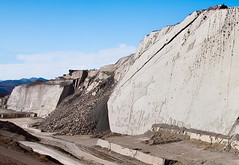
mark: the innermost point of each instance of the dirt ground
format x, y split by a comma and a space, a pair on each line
88, 144
21, 157
82, 147
167, 146
12, 154
185, 151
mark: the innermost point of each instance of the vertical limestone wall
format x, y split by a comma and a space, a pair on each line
38, 98
185, 75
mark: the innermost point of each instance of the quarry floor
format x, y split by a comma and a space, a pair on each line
83, 149
71, 150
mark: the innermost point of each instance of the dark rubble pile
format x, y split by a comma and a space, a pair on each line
3, 101
84, 112
164, 137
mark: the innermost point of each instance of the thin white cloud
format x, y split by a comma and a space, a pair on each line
54, 64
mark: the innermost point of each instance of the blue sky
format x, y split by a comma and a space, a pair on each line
47, 37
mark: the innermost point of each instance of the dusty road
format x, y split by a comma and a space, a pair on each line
44, 150
82, 149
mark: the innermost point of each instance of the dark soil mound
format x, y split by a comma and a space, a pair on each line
10, 151
10, 131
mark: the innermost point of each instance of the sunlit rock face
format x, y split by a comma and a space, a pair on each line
185, 75
39, 98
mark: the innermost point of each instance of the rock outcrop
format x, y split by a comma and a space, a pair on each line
86, 112
40, 97
185, 75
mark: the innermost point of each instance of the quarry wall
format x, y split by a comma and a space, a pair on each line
39, 98
184, 75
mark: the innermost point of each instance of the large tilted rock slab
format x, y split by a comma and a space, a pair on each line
187, 75
39, 98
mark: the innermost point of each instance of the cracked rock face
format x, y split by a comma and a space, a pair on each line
184, 75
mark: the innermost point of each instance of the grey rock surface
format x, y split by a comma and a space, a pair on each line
41, 98
184, 75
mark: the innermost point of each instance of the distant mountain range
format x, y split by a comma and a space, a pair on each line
7, 86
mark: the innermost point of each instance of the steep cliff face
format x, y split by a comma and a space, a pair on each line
184, 75
41, 98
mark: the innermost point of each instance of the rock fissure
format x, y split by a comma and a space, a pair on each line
163, 47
